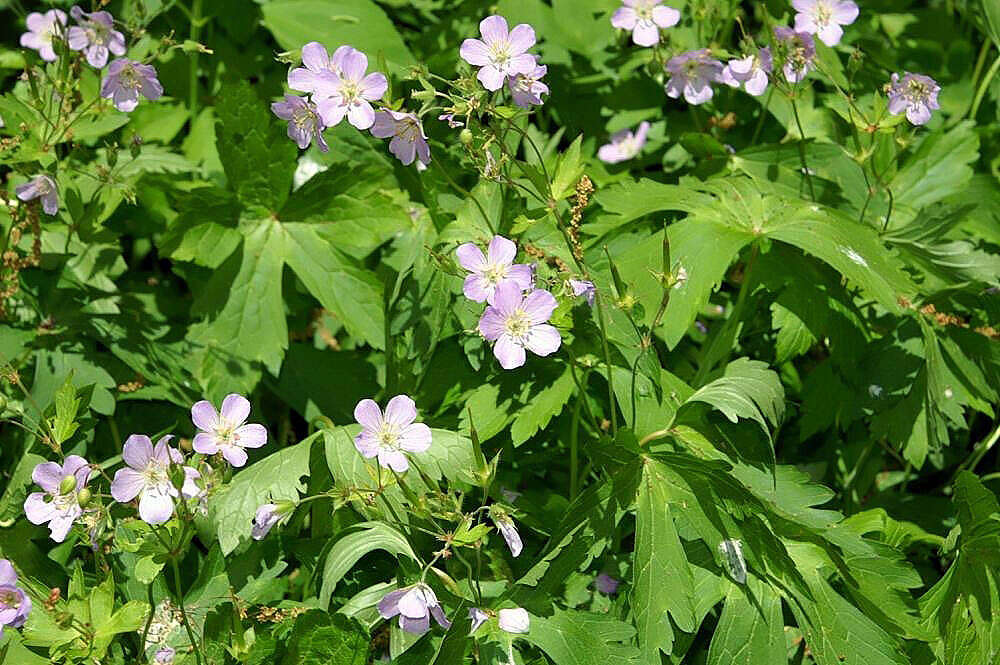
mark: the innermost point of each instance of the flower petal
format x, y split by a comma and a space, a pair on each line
155, 507
235, 410
470, 257
400, 411
493, 29
203, 414
368, 414
252, 435
416, 438
491, 78
38, 510
393, 459
522, 37
539, 305
234, 455
388, 607
509, 353
205, 443
47, 475
315, 57
475, 52
137, 451
501, 251
126, 485
543, 340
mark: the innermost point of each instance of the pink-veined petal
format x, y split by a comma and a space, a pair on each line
415, 438
47, 475
235, 410
203, 414
315, 57
508, 353
38, 510
491, 78
476, 288
491, 324
475, 52
374, 86
543, 340
361, 115
400, 411
126, 485
367, 444
393, 459
470, 257
205, 443
507, 297
137, 451
251, 436
539, 305
645, 33
624, 18
368, 414
494, 29
521, 274
501, 251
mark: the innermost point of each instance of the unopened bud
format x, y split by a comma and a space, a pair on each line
83, 497
135, 146
67, 485
465, 136
423, 95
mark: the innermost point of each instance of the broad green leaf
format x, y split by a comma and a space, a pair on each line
939, 167
250, 319
659, 555
360, 23
12, 501
751, 627
542, 407
570, 637
354, 544
276, 477
747, 389
327, 639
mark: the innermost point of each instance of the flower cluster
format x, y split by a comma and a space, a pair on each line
517, 313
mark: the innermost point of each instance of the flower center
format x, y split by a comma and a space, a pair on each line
128, 78
500, 53
388, 436
495, 273
10, 598
155, 474
915, 90
302, 118
408, 129
823, 13
64, 501
629, 146
517, 325
644, 10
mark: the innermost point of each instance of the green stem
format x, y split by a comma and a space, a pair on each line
983, 86
193, 63
149, 619
574, 456
184, 616
802, 149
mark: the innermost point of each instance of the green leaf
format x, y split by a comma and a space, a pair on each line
751, 628
327, 639
12, 501
658, 555
940, 167
354, 295
360, 23
991, 10
276, 477
542, 407
250, 319
258, 158
358, 541
747, 389
569, 637
568, 171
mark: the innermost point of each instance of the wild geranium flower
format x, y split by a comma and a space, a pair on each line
823, 18
514, 620
914, 93
489, 271
59, 503
500, 53
408, 139
391, 434
126, 80
95, 36
15, 606
225, 431
41, 187
147, 476
516, 322
450, 119
319, 67
268, 516
606, 584
581, 287
752, 72
164, 656
527, 89
478, 618
42, 29
350, 92
415, 606
692, 74
304, 123
624, 145
507, 529
800, 52
645, 18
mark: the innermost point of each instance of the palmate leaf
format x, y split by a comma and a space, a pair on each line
580, 638
747, 389
659, 555
541, 407
327, 639
751, 629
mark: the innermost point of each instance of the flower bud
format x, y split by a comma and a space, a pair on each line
135, 146
67, 485
423, 95
83, 497
465, 136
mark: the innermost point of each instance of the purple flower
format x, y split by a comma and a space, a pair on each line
59, 503
14, 603
515, 620
226, 431
692, 74
490, 271
268, 516
478, 618
581, 287
450, 119
147, 476
916, 94
517, 322
527, 88
500, 53
800, 52
408, 139
645, 18
319, 67
606, 584
41, 187
387, 435
42, 28
624, 146
415, 605
824, 18
304, 124
507, 529
751, 71
126, 79
95, 36
164, 656
350, 92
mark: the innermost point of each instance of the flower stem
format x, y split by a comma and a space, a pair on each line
184, 616
983, 85
802, 150
193, 66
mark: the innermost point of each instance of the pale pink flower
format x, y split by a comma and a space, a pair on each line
500, 53
389, 435
225, 431
645, 18
823, 18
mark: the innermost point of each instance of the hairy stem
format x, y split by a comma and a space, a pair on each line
184, 616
